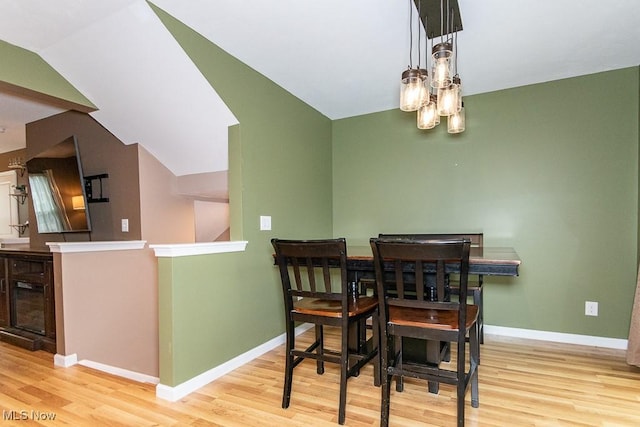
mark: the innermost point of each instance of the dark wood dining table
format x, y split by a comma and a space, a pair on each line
487, 261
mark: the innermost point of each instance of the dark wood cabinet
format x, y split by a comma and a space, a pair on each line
4, 295
27, 313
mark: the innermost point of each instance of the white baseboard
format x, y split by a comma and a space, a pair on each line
135, 376
72, 359
65, 361
615, 343
178, 392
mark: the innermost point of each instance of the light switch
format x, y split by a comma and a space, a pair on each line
265, 223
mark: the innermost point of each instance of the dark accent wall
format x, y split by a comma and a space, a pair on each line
100, 152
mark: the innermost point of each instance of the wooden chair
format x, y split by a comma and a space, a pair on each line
401, 266
475, 287
317, 292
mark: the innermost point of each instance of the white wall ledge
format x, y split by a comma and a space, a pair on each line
120, 245
188, 249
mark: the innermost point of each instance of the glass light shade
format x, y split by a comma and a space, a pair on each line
441, 70
455, 122
424, 93
442, 50
458, 83
448, 100
441, 74
412, 89
427, 115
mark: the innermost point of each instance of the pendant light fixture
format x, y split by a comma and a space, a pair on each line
441, 74
440, 95
428, 116
412, 89
447, 100
456, 118
456, 121
414, 85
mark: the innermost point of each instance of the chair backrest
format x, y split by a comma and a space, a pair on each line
312, 269
476, 239
409, 261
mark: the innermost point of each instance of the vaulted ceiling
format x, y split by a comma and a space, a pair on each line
344, 58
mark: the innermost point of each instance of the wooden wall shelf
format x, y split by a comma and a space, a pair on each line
20, 197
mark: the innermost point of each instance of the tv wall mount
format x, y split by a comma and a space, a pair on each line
90, 191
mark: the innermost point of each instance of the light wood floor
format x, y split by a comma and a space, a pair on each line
522, 383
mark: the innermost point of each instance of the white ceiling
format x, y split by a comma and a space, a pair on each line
344, 58
14, 113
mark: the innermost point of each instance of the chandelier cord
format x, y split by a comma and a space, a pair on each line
441, 20
410, 35
455, 43
419, 33
449, 19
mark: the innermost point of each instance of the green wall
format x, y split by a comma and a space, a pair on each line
216, 307
549, 169
25, 69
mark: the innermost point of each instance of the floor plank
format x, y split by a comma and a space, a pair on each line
522, 383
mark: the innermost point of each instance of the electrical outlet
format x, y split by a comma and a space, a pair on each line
125, 225
265, 223
590, 308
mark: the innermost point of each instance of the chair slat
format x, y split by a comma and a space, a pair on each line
440, 280
420, 284
327, 275
399, 279
296, 273
310, 274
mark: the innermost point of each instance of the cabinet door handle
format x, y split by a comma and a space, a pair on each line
2, 289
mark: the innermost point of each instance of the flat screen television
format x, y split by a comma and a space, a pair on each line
57, 189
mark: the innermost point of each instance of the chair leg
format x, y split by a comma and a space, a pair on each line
375, 330
474, 361
385, 401
344, 369
462, 384
288, 369
446, 357
386, 385
478, 299
355, 340
397, 354
320, 349
461, 403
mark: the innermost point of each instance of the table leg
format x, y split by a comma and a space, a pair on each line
420, 350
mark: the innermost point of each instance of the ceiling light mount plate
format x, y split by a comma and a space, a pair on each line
430, 12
